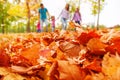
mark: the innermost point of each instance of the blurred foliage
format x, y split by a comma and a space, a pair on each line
95, 6
14, 15
4, 16
73, 4
21, 16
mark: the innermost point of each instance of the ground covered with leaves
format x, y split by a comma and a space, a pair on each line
61, 55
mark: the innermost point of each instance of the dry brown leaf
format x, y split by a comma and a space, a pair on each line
60, 54
4, 59
32, 54
7, 75
94, 65
114, 45
85, 37
96, 46
69, 71
111, 66
70, 49
53, 73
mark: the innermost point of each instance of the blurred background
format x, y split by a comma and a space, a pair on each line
20, 16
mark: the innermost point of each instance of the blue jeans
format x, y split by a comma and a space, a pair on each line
64, 23
42, 21
53, 28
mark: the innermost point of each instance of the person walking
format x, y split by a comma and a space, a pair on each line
43, 12
38, 27
77, 16
53, 23
65, 15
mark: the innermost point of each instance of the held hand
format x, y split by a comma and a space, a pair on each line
49, 17
57, 18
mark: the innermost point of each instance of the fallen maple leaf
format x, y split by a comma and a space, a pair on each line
47, 40
114, 46
60, 55
69, 71
53, 73
4, 59
32, 54
111, 66
96, 46
8, 75
85, 37
70, 49
71, 24
94, 65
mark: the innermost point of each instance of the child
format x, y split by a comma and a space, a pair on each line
77, 16
38, 27
53, 23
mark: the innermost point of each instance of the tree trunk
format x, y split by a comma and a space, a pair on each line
28, 15
98, 14
3, 30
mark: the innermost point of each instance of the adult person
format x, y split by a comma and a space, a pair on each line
65, 15
77, 16
43, 13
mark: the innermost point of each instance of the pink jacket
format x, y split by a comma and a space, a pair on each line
38, 26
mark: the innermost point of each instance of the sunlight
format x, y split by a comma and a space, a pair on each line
11, 1
109, 15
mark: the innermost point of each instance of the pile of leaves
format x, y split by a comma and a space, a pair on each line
61, 55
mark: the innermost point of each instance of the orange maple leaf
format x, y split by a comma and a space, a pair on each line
4, 59
69, 71
96, 46
85, 37
94, 65
70, 49
114, 45
32, 54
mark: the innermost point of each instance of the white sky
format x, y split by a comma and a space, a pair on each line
109, 16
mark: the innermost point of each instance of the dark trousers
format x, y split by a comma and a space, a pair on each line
77, 22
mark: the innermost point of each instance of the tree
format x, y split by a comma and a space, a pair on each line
97, 6
4, 20
32, 8
27, 10
98, 14
28, 15
73, 4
